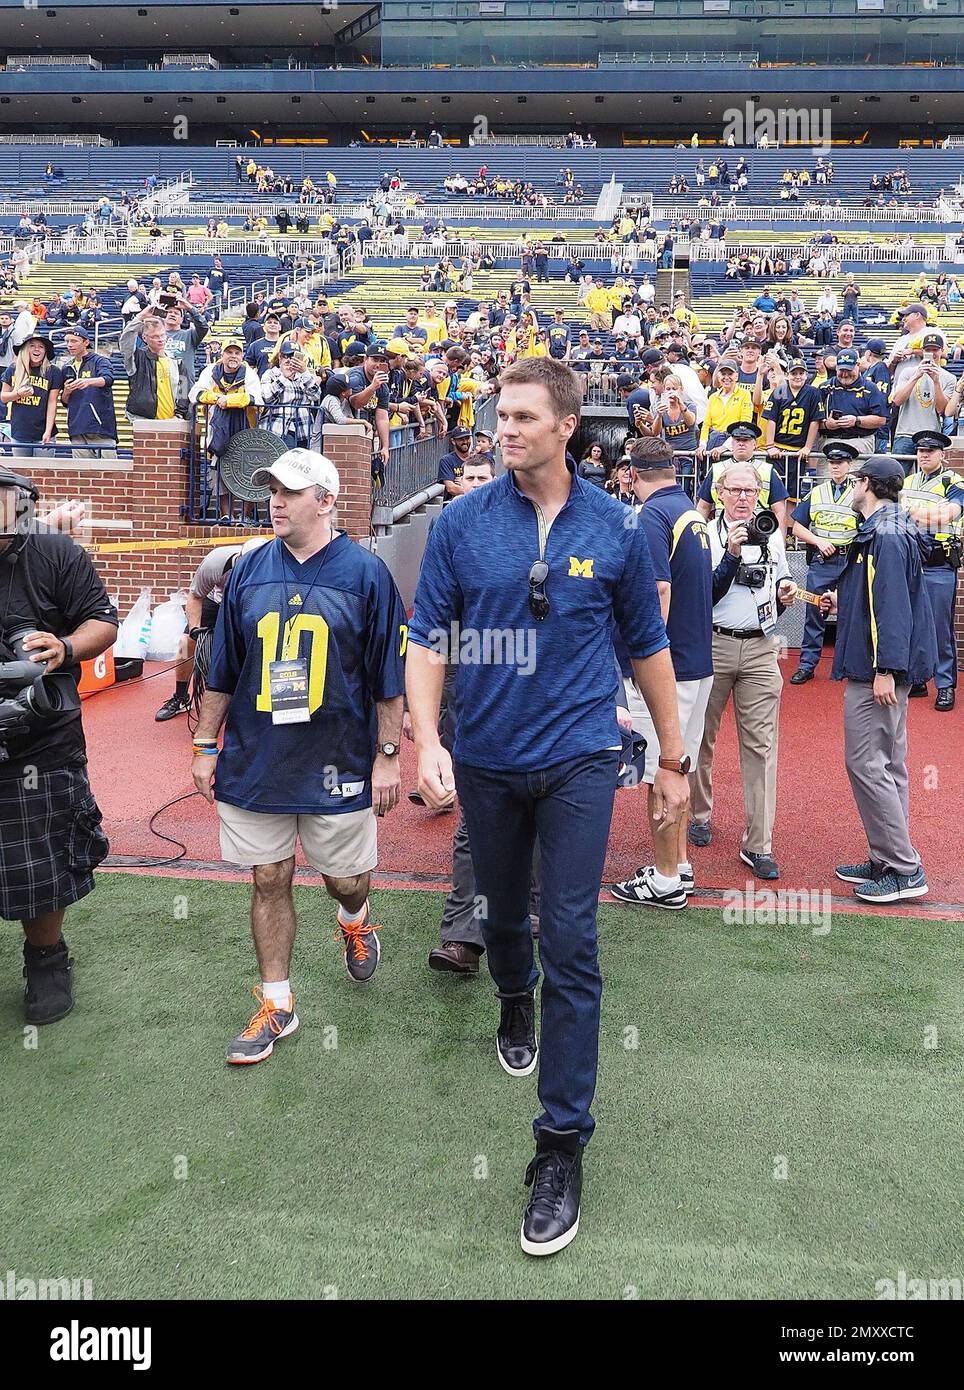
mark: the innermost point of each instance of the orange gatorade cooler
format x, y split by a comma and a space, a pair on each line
96, 674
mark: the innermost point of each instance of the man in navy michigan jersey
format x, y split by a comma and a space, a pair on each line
307, 677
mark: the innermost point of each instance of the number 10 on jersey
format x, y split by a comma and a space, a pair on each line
268, 630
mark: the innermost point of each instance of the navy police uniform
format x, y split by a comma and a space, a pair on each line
943, 561
827, 512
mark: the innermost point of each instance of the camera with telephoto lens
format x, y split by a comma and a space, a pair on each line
761, 526
29, 698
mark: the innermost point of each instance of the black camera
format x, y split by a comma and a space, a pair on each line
761, 526
759, 529
29, 698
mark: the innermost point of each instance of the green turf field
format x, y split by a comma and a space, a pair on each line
391, 1164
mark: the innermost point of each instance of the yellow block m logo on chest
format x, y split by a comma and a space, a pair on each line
580, 569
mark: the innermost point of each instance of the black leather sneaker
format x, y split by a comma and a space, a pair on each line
551, 1219
49, 992
516, 1039
172, 708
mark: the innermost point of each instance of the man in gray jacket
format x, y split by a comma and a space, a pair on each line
186, 330
154, 378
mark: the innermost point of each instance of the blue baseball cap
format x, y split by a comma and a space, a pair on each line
847, 357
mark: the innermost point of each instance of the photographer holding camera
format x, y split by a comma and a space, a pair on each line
54, 613
751, 586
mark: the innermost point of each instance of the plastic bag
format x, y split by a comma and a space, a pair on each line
134, 632
167, 628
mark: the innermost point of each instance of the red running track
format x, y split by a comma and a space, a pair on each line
137, 765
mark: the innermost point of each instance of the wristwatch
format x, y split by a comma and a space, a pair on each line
388, 750
68, 651
675, 765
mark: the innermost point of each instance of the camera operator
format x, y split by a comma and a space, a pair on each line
751, 586
54, 613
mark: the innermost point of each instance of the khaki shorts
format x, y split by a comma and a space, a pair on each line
339, 846
691, 701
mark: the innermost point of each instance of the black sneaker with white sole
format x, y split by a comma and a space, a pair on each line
641, 890
515, 1041
551, 1218
172, 708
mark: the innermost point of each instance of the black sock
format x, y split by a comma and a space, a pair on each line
180, 690
43, 951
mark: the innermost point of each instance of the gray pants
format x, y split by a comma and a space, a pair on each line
875, 752
461, 917
109, 451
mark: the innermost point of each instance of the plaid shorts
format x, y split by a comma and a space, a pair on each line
50, 842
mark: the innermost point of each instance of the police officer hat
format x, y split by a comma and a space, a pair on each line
931, 439
744, 429
840, 449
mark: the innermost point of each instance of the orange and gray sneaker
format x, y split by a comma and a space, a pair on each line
362, 948
268, 1025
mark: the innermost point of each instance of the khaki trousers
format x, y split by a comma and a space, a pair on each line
748, 668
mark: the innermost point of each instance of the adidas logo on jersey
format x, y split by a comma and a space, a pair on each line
295, 602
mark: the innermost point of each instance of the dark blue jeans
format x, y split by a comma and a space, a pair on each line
569, 806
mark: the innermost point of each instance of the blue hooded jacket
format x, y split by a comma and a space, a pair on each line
884, 616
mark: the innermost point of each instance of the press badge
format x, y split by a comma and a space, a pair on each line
767, 616
288, 684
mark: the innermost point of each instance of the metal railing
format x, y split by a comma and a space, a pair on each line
289, 283
797, 212
412, 467
552, 142
687, 59
65, 141
51, 60
484, 209
189, 60
927, 254
163, 199
509, 250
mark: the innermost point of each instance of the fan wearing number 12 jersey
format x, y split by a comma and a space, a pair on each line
345, 618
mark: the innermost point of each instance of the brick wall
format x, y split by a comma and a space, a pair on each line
143, 498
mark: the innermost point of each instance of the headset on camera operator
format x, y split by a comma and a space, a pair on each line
54, 613
751, 586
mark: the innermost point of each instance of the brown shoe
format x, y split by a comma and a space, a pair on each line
457, 956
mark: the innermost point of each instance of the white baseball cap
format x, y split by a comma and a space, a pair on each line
299, 469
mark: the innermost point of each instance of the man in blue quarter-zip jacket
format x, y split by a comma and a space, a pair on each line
885, 643
88, 396
521, 584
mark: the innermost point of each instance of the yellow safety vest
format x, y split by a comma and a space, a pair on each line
764, 472
925, 488
830, 520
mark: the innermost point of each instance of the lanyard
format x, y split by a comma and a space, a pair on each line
314, 578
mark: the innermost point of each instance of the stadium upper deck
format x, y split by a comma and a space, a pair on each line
645, 69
